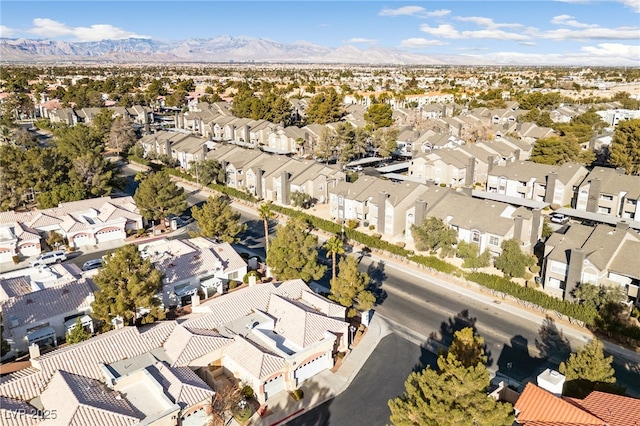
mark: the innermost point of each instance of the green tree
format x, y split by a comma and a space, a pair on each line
378, 115
93, 173
556, 151
455, 394
334, 247
598, 296
73, 142
300, 199
467, 348
216, 219
101, 125
625, 148
385, 141
293, 253
158, 196
433, 234
266, 214
470, 252
327, 144
209, 171
126, 283
349, 287
78, 333
325, 107
512, 261
177, 99
587, 369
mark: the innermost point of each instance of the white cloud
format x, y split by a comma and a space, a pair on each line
614, 50
419, 42
362, 40
633, 4
51, 29
568, 21
598, 33
574, 1
600, 55
486, 22
526, 43
414, 11
450, 32
6, 31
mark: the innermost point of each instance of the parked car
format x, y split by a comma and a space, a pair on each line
92, 264
55, 256
559, 218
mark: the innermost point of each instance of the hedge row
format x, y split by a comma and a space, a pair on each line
582, 313
437, 264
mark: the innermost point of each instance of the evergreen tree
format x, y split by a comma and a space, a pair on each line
454, 395
556, 151
78, 333
327, 144
512, 261
325, 107
125, 283
349, 288
101, 125
293, 253
434, 234
385, 140
588, 369
625, 149
73, 142
216, 219
378, 115
158, 196
209, 171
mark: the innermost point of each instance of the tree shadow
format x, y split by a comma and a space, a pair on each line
552, 341
313, 394
443, 338
377, 275
516, 363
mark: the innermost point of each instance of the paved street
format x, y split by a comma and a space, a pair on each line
381, 378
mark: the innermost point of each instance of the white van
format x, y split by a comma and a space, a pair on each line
56, 256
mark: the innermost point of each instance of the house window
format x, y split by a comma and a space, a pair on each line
475, 237
494, 241
605, 210
555, 283
233, 275
559, 268
340, 200
606, 197
589, 278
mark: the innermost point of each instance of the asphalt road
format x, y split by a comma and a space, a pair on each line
380, 379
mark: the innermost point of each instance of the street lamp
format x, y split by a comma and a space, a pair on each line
352, 330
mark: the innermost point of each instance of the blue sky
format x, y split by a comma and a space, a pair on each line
545, 30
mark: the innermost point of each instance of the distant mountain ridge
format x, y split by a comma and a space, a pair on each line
219, 49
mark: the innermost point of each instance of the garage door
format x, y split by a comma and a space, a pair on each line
311, 368
82, 240
273, 386
109, 234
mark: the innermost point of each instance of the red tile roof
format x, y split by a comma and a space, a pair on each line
538, 407
615, 410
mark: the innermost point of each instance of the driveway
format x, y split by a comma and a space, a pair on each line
381, 378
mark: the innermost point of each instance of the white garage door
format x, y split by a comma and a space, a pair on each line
109, 235
82, 240
311, 368
273, 386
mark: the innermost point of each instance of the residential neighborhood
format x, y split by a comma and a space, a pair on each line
270, 243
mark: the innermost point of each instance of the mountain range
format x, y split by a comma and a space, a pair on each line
219, 49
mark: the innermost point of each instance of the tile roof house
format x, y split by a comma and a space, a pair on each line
84, 222
539, 407
603, 255
45, 315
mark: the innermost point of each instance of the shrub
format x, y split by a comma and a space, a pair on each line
377, 236
245, 279
247, 391
233, 284
372, 227
436, 263
444, 185
16, 259
298, 394
401, 244
352, 223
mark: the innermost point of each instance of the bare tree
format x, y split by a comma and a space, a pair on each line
122, 135
226, 397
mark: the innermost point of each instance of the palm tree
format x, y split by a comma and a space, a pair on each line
266, 214
334, 247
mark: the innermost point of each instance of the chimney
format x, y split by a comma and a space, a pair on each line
34, 351
205, 149
551, 187
180, 121
490, 162
167, 147
517, 228
536, 229
517, 154
594, 195
382, 201
552, 381
252, 280
471, 172
233, 132
201, 127
285, 188
574, 275
259, 184
247, 134
420, 211
468, 191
